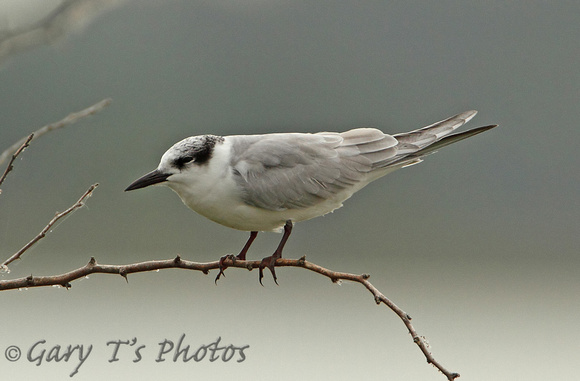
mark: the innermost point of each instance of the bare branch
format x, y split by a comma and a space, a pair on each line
67, 16
14, 156
178, 263
70, 119
42, 234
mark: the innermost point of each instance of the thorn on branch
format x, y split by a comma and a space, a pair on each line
123, 273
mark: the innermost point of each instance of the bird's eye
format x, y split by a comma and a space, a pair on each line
181, 161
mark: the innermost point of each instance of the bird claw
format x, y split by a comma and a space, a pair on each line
222, 266
270, 263
241, 256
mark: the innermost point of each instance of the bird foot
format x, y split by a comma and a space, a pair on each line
241, 256
269, 262
223, 266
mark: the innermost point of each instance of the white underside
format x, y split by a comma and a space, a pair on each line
229, 212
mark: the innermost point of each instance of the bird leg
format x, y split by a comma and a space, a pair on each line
270, 261
241, 256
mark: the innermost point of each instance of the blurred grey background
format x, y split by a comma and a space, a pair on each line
479, 244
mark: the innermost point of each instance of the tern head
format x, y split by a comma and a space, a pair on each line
180, 163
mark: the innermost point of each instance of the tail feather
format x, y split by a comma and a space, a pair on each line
429, 134
414, 145
449, 139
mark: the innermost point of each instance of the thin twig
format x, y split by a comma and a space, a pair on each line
14, 156
64, 18
42, 234
70, 119
93, 267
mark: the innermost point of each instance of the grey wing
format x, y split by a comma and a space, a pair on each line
287, 171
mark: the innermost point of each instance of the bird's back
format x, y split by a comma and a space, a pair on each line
296, 170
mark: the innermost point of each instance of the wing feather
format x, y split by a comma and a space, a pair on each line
288, 171
285, 171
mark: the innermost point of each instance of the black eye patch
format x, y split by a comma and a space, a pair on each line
198, 149
181, 161
203, 154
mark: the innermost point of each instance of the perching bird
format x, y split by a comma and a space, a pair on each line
269, 182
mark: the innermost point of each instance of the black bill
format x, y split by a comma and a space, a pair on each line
154, 177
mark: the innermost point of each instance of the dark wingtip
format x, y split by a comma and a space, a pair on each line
485, 128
